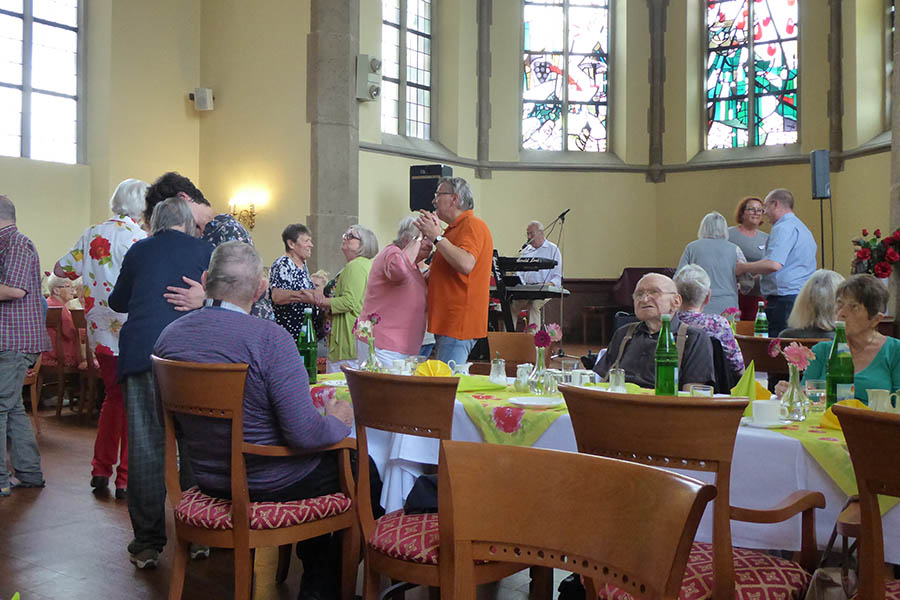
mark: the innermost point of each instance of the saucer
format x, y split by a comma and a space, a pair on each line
536, 401
749, 422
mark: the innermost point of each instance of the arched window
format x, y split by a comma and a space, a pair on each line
751, 74
406, 66
566, 75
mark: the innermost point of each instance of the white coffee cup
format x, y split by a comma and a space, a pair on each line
883, 401
768, 411
399, 366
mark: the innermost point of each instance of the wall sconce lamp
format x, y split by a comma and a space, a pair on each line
245, 216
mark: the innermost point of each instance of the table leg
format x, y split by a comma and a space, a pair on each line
541, 587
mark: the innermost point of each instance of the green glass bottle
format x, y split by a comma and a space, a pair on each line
761, 325
306, 344
840, 372
666, 360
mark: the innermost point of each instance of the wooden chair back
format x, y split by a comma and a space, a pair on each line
90, 375
514, 348
873, 439
32, 379
694, 434
756, 349
60, 370
414, 405
744, 328
616, 522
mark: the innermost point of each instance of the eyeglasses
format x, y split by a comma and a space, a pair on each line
351, 236
755, 210
654, 294
436, 194
850, 306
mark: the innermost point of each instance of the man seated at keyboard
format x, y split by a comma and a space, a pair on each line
538, 246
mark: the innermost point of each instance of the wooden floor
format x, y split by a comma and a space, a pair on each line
63, 542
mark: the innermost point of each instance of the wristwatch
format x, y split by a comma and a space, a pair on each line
437, 239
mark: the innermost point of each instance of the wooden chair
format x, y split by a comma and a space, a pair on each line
756, 349
60, 369
216, 391
514, 348
615, 522
698, 435
32, 377
744, 328
90, 374
873, 439
400, 546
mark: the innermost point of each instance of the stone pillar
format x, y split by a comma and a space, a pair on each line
836, 89
485, 18
895, 164
656, 114
333, 113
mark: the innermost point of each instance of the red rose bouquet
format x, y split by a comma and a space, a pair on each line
875, 254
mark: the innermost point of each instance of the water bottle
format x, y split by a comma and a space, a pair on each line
306, 344
839, 372
761, 325
666, 360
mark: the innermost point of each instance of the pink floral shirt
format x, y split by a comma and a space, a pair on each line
97, 258
717, 326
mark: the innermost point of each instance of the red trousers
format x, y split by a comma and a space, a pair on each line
112, 430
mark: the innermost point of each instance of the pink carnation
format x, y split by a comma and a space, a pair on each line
542, 339
798, 355
774, 347
555, 331
531, 328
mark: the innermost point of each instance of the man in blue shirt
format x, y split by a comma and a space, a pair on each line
789, 261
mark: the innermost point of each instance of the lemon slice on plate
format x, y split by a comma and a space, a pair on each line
434, 368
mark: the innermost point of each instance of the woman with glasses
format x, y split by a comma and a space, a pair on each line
752, 242
359, 246
292, 288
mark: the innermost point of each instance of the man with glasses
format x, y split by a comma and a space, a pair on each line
790, 259
460, 280
633, 346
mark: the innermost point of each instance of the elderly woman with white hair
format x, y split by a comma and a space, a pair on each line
97, 258
813, 312
692, 283
397, 292
359, 246
718, 257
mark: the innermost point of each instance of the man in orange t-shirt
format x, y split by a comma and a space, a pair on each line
460, 280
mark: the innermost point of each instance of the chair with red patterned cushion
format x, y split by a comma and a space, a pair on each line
873, 439
32, 376
609, 520
698, 434
217, 391
404, 546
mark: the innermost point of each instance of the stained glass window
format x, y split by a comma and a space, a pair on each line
39, 79
566, 75
751, 75
406, 70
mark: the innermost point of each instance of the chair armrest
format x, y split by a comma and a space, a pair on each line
798, 502
261, 450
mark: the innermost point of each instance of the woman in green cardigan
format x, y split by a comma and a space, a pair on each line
359, 246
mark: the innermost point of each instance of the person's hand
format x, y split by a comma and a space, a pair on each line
780, 388
428, 224
412, 249
318, 298
188, 298
340, 409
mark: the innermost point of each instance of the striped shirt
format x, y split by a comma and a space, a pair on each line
21, 319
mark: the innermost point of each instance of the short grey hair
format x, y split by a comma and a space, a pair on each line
713, 226
171, 213
782, 196
7, 209
814, 305
693, 284
460, 187
368, 243
128, 199
540, 225
406, 231
235, 270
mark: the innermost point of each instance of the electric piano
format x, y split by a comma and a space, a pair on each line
509, 287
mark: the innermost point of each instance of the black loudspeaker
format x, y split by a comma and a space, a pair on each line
821, 173
423, 181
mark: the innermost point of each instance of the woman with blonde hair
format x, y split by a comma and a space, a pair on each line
813, 312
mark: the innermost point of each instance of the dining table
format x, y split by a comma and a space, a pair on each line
768, 463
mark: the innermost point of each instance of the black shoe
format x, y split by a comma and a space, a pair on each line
99, 483
121, 494
571, 588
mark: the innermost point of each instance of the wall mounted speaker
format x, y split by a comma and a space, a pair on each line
423, 181
821, 173
203, 98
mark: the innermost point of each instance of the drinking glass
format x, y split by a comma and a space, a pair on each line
498, 371
815, 391
701, 390
567, 365
617, 380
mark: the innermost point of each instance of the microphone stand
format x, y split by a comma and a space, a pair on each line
559, 244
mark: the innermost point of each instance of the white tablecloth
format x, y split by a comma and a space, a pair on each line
767, 466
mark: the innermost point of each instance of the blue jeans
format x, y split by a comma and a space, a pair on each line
778, 309
426, 349
448, 348
14, 423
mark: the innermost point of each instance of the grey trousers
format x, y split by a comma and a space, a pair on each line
15, 424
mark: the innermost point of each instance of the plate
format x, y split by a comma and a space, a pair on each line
749, 422
333, 383
537, 401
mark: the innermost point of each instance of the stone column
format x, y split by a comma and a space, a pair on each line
485, 10
836, 88
656, 114
895, 164
333, 113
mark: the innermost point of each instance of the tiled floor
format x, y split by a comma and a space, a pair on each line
62, 542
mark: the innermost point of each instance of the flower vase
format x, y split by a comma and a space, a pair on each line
794, 401
371, 362
536, 378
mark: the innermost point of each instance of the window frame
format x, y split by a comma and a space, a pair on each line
750, 149
564, 151
27, 90
401, 81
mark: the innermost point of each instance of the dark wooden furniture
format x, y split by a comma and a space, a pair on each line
619, 299
89, 375
514, 348
32, 379
555, 509
756, 349
60, 370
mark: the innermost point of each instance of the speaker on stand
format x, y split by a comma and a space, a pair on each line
819, 164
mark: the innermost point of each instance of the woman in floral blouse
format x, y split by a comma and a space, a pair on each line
97, 258
693, 287
292, 289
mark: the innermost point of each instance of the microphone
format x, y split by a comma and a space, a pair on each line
563, 215
523, 245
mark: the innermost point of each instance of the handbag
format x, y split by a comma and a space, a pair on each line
423, 497
834, 583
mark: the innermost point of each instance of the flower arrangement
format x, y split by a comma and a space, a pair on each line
732, 314
365, 329
797, 355
794, 401
875, 254
546, 335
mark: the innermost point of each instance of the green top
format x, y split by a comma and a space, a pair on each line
349, 294
883, 373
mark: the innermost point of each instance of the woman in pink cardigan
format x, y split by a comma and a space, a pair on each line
397, 291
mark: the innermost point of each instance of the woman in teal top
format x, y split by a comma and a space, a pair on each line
860, 302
